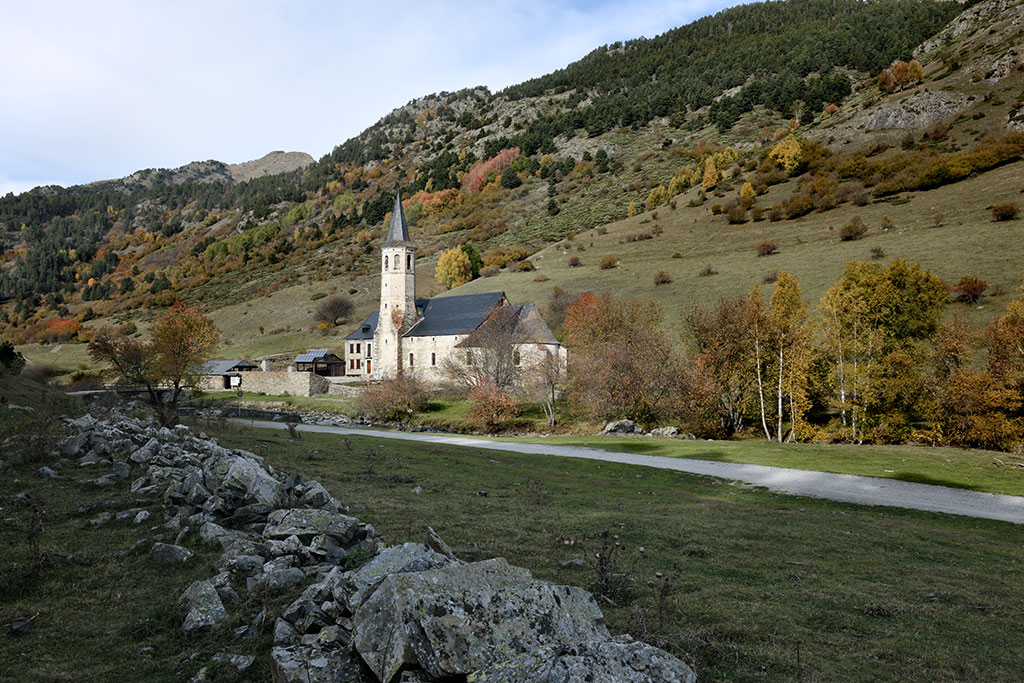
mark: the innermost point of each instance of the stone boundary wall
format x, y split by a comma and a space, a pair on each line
272, 383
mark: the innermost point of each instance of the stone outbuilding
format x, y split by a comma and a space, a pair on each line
224, 374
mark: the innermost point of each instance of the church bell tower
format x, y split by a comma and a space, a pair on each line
397, 294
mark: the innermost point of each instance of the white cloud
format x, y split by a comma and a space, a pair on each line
100, 89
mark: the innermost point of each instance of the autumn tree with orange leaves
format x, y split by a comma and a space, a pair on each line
622, 366
181, 340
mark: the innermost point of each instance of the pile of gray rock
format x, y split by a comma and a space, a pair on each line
363, 611
618, 427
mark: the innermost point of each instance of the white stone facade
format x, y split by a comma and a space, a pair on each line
399, 338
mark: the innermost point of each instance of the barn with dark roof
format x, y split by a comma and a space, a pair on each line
426, 337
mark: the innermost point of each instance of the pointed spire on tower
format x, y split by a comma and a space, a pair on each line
398, 234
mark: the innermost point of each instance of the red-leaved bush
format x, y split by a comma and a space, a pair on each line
492, 406
475, 177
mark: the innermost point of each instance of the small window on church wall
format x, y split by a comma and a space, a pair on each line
516, 357
433, 359
410, 360
408, 261
385, 263
368, 354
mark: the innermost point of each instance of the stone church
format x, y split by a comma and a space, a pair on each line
429, 338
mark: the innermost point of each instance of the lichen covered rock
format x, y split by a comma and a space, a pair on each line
458, 619
204, 606
610, 661
307, 524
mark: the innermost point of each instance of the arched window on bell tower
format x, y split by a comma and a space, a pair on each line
385, 263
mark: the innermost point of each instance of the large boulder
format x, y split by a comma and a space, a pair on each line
610, 661
168, 553
620, 427
307, 524
400, 559
204, 606
314, 664
461, 618
244, 477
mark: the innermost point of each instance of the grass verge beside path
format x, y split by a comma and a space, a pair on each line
342, 405
976, 470
770, 587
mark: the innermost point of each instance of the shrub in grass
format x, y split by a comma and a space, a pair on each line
877, 252
770, 277
318, 296
523, 267
707, 270
1005, 212
677, 254
716, 209
575, 262
492, 406
756, 213
736, 215
489, 271
662, 278
609, 262
335, 309
602, 230
799, 205
777, 213
540, 277
887, 224
392, 399
970, 289
766, 248
853, 231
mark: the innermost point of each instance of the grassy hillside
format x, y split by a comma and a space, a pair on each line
255, 253
966, 241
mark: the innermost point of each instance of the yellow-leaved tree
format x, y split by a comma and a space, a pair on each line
747, 195
787, 153
453, 268
710, 175
656, 197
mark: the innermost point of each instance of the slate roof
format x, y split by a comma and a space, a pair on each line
442, 316
454, 314
523, 322
366, 330
398, 233
222, 367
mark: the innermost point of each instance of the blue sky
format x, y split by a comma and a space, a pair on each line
97, 90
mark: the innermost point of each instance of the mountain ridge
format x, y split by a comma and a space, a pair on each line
226, 243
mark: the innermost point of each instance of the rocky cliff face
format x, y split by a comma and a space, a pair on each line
270, 164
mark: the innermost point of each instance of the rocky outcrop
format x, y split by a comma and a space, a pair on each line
621, 427
920, 109
610, 661
269, 164
458, 619
363, 611
974, 19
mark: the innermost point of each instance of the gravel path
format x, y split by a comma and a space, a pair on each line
846, 488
